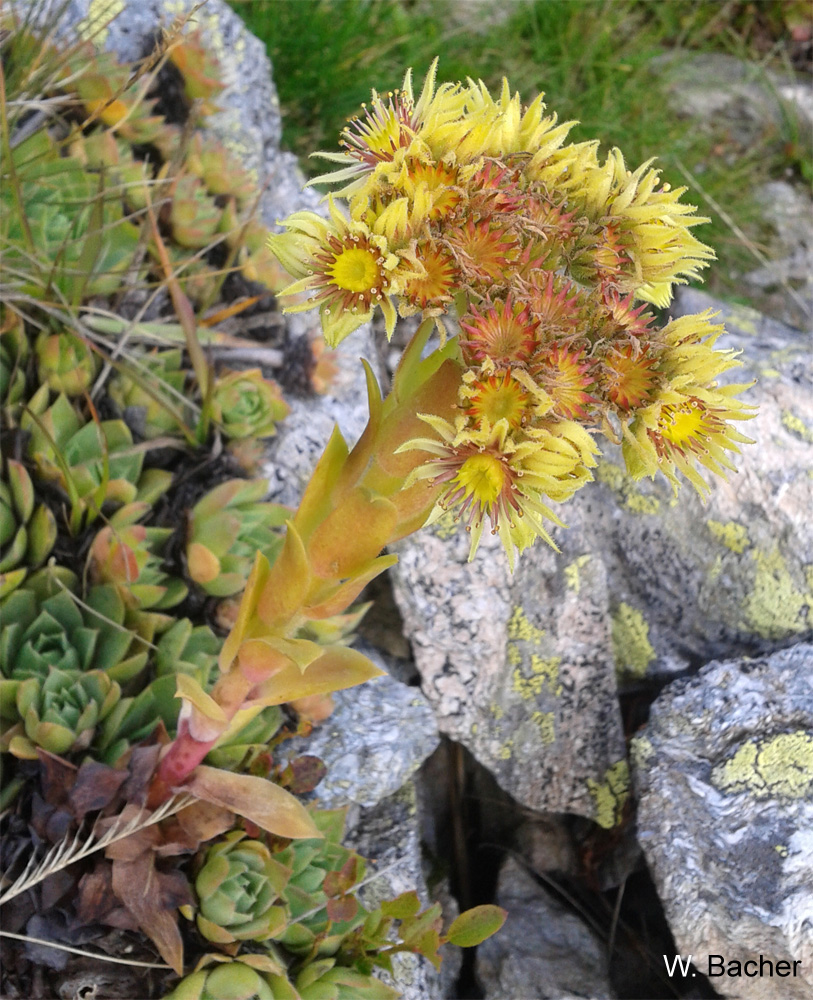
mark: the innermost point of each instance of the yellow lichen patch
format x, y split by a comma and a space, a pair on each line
572, 572
100, 13
632, 650
731, 533
544, 672
778, 767
514, 655
781, 850
623, 485
641, 751
610, 794
446, 525
797, 426
771, 373
497, 712
776, 607
640, 504
519, 627
546, 726
504, 753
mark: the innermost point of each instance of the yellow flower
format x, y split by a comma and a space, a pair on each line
347, 270
391, 126
487, 475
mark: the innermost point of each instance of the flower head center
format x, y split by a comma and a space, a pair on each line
482, 477
355, 270
680, 425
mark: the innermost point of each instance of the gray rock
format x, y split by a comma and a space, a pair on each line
543, 951
724, 777
389, 835
714, 86
377, 737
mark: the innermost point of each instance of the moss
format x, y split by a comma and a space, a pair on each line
777, 767
544, 672
545, 721
776, 607
572, 572
632, 650
797, 427
610, 794
519, 627
732, 534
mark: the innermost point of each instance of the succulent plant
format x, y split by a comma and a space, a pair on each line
233, 980
150, 398
221, 172
324, 978
238, 890
82, 241
93, 462
14, 353
102, 85
44, 631
60, 713
27, 530
194, 217
226, 528
199, 68
314, 865
242, 748
126, 555
65, 362
247, 405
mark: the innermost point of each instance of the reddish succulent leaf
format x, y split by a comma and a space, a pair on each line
193, 826
343, 908
260, 801
303, 774
475, 925
403, 906
96, 786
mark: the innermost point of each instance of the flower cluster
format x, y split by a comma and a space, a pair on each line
462, 203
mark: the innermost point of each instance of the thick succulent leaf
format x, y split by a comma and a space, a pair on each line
338, 668
318, 497
256, 799
351, 535
288, 582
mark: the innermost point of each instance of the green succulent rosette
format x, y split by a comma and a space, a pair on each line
94, 463
226, 529
65, 362
238, 890
27, 530
61, 712
43, 631
150, 397
83, 242
127, 556
324, 978
309, 929
233, 980
238, 751
247, 405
